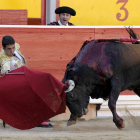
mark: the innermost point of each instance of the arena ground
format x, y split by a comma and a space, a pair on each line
97, 129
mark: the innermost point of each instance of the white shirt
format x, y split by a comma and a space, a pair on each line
18, 56
62, 24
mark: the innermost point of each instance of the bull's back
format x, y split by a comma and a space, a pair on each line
124, 60
130, 55
110, 57
109, 52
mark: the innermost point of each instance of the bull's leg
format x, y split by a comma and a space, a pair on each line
114, 94
137, 91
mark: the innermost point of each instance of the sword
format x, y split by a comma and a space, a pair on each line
15, 73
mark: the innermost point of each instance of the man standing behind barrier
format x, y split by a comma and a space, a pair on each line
11, 59
65, 14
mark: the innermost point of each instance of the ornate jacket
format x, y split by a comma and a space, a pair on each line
8, 63
56, 23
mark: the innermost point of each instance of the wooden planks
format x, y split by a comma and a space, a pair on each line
13, 17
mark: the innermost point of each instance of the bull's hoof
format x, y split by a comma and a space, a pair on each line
71, 122
120, 124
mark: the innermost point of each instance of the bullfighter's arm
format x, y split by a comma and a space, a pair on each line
4, 67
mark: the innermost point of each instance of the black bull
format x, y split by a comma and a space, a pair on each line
102, 70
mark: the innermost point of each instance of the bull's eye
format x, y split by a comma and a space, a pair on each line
71, 96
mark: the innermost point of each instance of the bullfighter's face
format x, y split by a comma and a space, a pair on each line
9, 49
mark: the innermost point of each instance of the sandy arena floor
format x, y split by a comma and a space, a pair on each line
98, 129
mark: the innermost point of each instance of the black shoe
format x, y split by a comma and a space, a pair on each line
4, 124
46, 126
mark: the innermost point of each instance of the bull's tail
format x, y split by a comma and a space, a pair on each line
132, 35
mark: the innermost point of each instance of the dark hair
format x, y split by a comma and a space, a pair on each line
7, 40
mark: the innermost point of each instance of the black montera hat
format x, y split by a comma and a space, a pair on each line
65, 9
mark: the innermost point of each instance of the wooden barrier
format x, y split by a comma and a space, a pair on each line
50, 49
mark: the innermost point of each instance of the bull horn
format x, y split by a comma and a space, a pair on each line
70, 84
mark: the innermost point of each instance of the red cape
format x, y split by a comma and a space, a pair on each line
28, 99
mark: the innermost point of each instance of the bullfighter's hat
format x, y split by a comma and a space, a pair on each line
65, 9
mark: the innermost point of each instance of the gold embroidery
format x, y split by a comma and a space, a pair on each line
13, 62
6, 61
18, 64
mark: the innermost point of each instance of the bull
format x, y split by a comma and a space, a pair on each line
102, 69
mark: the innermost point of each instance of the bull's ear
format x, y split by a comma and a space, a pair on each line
70, 84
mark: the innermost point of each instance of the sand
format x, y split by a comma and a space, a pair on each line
97, 129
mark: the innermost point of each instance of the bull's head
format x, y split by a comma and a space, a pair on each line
73, 101
77, 93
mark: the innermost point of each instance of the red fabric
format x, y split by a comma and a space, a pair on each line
29, 99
